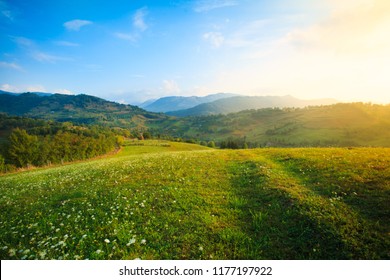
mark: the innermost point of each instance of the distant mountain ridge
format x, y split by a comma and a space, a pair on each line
241, 103
80, 109
34, 92
174, 103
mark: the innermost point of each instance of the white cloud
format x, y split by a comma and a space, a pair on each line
17, 89
202, 6
9, 88
139, 26
76, 24
36, 88
139, 19
170, 86
10, 65
216, 39
64, 91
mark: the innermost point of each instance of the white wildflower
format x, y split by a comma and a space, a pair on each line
132, 241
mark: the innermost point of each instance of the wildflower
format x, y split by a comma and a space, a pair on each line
98, 251
132, 241
143, 241
200, 248
107, 240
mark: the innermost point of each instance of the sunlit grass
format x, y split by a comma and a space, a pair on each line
164, 200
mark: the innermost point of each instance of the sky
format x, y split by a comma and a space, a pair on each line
130, 51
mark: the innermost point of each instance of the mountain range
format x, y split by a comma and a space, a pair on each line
342, 124
241, 103
174, 103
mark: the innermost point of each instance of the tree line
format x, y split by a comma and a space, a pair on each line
26, 142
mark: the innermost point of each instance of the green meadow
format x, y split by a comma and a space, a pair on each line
167, 200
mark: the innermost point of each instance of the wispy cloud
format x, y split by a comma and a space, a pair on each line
202, 6
139, 26
11, 65
66, 44
45, 57
126, 36
139, 19
32, 49
216, 39
22, 41
5, 11
76, 24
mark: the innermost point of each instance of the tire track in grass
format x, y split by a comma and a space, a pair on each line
343, 234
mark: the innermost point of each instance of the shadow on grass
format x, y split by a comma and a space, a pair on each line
277, 225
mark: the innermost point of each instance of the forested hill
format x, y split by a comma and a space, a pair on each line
344, 124
80, 109
26, 142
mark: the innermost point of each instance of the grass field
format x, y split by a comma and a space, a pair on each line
164, 200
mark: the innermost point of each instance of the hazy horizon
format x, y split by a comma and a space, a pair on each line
132, 52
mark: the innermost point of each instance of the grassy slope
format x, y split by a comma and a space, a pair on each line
183, 201
350, 124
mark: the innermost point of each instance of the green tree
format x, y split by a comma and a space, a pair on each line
23, 148
211, 144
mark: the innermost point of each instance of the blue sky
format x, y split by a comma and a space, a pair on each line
130, 51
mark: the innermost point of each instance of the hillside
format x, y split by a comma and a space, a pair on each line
241, 103
173, 103
164, 200
80, 109
349, 124
26, 142
344, 124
